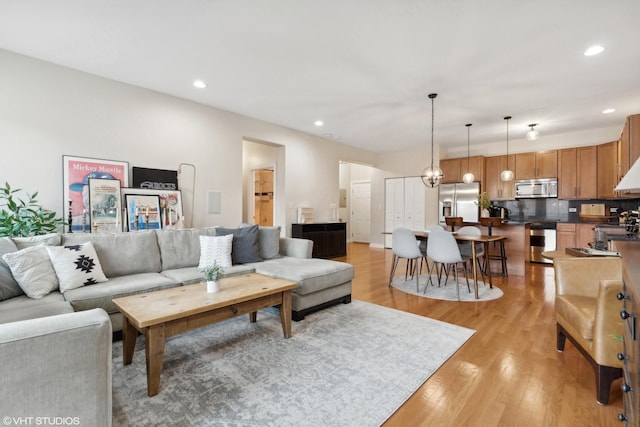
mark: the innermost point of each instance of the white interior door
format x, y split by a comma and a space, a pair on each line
361, 212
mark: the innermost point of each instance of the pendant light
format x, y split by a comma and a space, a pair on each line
507, 174
431, 176
532, 135
468, 177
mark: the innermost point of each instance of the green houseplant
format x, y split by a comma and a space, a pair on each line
212, 273
23, 216
483, 201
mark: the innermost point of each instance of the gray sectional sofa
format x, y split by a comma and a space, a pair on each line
56, 350
144, 261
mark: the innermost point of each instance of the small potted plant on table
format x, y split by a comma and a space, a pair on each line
212, 274
484, 203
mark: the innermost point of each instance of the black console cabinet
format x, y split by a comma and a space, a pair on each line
329, 239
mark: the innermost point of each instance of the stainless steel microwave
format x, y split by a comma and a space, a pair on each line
536, 188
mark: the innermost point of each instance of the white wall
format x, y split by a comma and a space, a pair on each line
47, 111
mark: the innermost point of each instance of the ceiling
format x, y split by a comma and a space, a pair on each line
363, 67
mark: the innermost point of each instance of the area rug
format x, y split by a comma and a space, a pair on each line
448, 292
349, 365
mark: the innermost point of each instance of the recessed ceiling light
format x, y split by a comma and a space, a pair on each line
593, 50
332, 136
199, 84
609, 111
318, 123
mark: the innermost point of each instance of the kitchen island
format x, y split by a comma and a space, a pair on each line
516, 245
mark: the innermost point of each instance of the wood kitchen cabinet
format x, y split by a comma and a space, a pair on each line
451, 170
565, 236
584, 234
498, 189
577, 177
628, 149
543, 164
454, 169
607, 174
571, 235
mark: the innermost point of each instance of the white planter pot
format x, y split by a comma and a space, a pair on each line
484, 213
212, 286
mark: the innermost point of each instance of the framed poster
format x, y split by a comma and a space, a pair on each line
143, 212
76, 172
171, 215
154, 179
105, 211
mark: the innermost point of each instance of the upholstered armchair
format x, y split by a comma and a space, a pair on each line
588, 313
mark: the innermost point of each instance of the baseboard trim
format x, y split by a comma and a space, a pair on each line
376, 245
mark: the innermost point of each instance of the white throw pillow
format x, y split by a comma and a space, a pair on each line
32, 269
215, 250
76, 265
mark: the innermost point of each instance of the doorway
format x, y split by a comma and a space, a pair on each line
263, 196
361, 211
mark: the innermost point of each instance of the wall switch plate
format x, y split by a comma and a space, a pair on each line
573, 210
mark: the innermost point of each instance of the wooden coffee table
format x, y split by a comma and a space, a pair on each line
169, 312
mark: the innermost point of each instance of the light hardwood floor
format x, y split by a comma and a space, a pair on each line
509, 373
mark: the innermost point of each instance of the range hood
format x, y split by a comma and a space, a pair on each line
631, 180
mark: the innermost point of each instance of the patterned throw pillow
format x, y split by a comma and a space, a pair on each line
215, 250
31, 267
76, 265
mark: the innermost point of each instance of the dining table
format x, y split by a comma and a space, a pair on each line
484, 239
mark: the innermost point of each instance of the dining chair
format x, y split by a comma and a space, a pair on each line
405, 245
442, 248
423, 242
465, 247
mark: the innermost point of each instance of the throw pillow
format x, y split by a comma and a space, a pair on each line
269, 242
9, 288
33, 271
245, 243
215, 250
51, 239
76, 265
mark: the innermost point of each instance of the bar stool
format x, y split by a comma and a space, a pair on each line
491, 222
453, 222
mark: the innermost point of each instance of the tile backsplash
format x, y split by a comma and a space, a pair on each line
553, 209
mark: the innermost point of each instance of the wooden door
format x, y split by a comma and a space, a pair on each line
584, 235
547, 164
565, 236
508, 188
607, 169
634, 139
493, 166
451, 170
263, 197
586, 172
476, 167
567, 164
525, 167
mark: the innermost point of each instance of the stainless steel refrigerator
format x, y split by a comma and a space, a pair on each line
459, 200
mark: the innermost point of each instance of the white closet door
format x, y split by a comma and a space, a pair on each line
414, 200
394, 207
